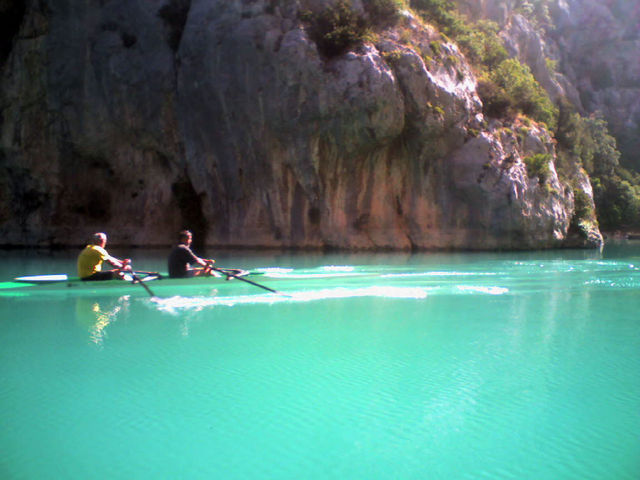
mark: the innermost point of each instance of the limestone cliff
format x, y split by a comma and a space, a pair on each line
599, 46
595, 46
140, 117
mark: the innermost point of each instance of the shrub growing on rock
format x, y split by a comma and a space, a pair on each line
383, 12
524, 92
538, 166
338, 27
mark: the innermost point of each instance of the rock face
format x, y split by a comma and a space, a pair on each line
141, 117
596, 46
599, 43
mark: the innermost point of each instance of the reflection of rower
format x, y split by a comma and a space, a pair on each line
181, 258
91, 258
95, 319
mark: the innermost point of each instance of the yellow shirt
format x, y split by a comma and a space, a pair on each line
90, 260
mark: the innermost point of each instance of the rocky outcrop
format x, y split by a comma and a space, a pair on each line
594, 46
599, 43
142, 117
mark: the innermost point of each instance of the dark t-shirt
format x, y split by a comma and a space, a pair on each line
179, 259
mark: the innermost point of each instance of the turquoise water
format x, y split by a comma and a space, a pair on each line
429, 366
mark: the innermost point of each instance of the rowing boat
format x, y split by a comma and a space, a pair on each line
44, 284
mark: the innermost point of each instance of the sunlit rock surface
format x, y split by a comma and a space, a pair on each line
143, 117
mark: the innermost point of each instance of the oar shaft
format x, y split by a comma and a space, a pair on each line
224, 272
136, 279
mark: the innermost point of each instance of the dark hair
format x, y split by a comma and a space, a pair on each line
184, 234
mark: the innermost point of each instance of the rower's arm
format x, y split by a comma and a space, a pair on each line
118, 263
204, 262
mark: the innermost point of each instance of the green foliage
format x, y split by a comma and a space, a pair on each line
436, 48
538, 166
495, 101
617, 202
336, 29
406, 36
436, 109
505, 85
441, 12
482, 45
524, 92
616, 190
536, 11
392, 56
523, 133
582, 206
479, 41
339, 27
552, 65
566, 133
588, 139
507, 88
383, 12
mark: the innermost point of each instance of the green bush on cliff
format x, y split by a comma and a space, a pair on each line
338, 27
524, 92
441, 12
582, 206
383, 12
495, 101
479, 41
538, 166
596, 148
482, 45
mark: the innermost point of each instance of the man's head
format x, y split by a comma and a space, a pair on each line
185, 237
99, 239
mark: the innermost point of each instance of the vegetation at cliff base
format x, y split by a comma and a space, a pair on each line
616, 190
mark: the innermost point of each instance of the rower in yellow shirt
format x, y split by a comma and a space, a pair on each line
91, 258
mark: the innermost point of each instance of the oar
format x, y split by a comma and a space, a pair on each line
136, 279
224, 272
142, 272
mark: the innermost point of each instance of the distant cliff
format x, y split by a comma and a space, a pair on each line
143, 117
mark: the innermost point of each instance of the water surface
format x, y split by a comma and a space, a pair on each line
439, 366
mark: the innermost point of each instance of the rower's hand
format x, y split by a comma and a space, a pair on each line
126, 264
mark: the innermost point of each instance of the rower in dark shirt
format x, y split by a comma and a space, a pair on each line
181, 258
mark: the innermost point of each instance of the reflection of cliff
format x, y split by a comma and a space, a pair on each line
95, 317
223, 116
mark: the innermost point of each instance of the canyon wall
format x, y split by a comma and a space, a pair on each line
142, 117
